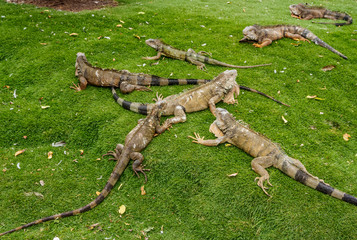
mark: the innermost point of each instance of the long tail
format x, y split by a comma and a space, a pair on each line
118, 169
309, 35
263, 94
212, 61
142, 108
337, 16
315, 183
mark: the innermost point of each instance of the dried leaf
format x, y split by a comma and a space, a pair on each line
81, 151
44, 107
228, 145
49, 155
15, 96
122, 209
93, 226
148, 229
119, 25
43, 44
73, 34
137, 36
121, 21
143, 192
141, 13
4, 170
42, 183
18, 165
285, 121
97, 193
19, 152
25, 137
346, 137
232, 175
37, 194
314, 97
328, 68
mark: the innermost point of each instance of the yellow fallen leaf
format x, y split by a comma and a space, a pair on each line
49, 155
137, 36
44, 107
81, 151
228, 145
97, 193
142, 190
121, 21
141, 13
285, 121
346, 137
119, 25
73, 34
311, 97
122, 209
43, 44
232, 175
19, 152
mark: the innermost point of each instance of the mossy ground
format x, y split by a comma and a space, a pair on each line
189, 195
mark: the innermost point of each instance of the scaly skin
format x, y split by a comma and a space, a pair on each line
265, 35
190, 56
224, 86
135, 142
303, 11
127, 81
265, 153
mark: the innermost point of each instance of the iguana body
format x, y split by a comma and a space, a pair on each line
224, 86
135, 142
190, 56
265, 153
127, 81
265, 35
303, 11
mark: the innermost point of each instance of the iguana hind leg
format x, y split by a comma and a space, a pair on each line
259, 166
116, 153
190, 52
126, 87
137, 164
296, 37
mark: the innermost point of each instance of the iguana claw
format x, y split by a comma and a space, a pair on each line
158, 98
142, 170
260, 183
257, 45
76, 87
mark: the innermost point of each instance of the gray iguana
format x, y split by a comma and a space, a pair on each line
135, 142
306, 12
265, 153
224, 86
125, 80
265, 35
190, 56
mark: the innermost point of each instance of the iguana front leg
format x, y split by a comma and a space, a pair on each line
211, 142
154, 57
264, 43
82, 84
126, 87
259, 165
180, 116
296, 37
137, 164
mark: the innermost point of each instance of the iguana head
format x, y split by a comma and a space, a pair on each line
250, 34
154, 43
227, 80
223, 121
296, 9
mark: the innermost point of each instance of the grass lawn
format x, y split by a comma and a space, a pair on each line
189, 195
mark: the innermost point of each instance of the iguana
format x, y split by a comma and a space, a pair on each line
127, 81
265, 35
303, 11
190, 56
135, 142
224, 86
265, 153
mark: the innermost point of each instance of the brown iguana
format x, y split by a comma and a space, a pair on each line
190, 56
127, 81
303, 11
265, 153
135, 142
224, 86
265, 35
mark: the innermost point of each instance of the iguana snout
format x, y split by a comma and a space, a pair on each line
249, 34
294, 9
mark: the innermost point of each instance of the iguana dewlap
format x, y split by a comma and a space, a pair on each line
266, 154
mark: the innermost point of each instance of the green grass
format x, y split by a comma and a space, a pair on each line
188, 193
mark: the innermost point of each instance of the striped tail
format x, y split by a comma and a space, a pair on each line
118, 169
315, 183
141, 108
337, 16
309, 35
159, 81
263, 94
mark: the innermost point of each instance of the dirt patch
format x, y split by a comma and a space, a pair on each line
69, 5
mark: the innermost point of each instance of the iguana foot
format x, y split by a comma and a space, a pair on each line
260, 183
142, 170
302, 39
142, 88
197, 138
158, 98
257, 45
76, 87
202, 67
116, 153
205, 53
